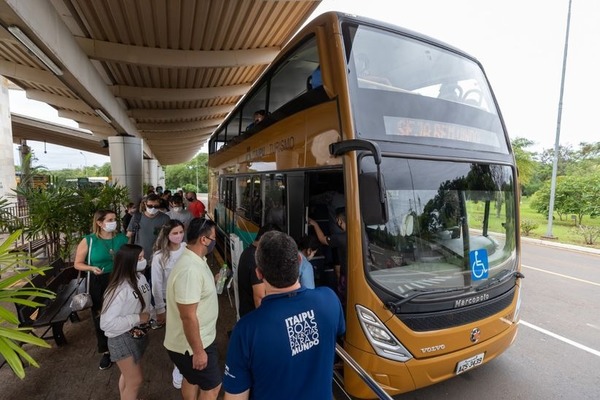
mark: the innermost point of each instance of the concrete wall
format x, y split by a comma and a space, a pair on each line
7, 160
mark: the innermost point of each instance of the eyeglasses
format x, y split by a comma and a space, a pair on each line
152, 206
211, 239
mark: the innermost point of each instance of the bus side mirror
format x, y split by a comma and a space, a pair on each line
373, 208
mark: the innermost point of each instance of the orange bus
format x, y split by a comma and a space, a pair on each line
404, 133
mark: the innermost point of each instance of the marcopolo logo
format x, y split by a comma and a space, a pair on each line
471, 300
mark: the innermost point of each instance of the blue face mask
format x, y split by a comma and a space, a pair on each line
211, 246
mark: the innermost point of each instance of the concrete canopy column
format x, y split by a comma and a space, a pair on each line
151, 172
7, 159
126, 154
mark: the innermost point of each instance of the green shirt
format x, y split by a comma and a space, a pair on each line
103, 250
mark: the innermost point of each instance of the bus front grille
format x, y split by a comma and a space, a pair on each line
433, 321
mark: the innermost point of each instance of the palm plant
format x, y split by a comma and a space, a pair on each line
62, 214
11, 336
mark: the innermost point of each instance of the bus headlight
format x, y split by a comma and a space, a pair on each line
382, 340
517, 313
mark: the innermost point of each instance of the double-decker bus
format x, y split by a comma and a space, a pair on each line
408, 131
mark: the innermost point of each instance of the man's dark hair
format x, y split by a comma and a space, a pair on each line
153, 197
266, 228
199, 227
277, 259
177, 199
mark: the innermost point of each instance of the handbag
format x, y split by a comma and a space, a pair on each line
81, 301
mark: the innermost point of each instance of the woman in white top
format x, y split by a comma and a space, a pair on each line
125, 315
167, 249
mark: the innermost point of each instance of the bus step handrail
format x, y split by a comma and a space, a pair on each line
370, 382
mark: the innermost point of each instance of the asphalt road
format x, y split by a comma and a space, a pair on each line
557, 351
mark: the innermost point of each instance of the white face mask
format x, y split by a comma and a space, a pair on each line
152, 211
177, 209
110, 226
141, 265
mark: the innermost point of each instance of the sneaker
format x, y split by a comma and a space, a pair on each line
155, 325
105, 362
177, 378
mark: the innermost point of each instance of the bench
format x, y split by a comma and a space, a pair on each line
55, 312
31, 248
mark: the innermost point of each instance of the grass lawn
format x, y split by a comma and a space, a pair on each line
564, 230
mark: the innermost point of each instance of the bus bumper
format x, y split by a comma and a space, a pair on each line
398, 378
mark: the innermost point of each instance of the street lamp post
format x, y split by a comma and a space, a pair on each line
197, 187
190, 167
557, 140
84, 161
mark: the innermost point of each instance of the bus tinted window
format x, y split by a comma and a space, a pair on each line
256, 102
412, 91
292, 77
275, 200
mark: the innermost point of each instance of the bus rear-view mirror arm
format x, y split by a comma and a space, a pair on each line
371, 215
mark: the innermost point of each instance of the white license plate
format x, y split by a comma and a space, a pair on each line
469, 363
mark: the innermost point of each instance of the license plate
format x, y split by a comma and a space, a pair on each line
469, 363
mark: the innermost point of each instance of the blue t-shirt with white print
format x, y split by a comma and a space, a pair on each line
286, 346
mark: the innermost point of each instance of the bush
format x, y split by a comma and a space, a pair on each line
589, 233
527, 226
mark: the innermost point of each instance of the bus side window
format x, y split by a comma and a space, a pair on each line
275, 201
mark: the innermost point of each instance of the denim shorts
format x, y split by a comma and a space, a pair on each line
124, 346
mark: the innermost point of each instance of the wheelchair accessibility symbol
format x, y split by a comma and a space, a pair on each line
479, 264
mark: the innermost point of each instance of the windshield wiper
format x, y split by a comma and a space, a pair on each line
394, 306
499, 278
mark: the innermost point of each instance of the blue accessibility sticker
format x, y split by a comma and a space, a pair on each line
479, 264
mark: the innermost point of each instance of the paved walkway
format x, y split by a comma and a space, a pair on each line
71, 372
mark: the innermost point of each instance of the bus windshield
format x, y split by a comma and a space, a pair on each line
451, 225
407, 90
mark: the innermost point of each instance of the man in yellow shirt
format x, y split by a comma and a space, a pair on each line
193, 307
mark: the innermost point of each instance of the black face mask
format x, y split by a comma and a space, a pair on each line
189, 199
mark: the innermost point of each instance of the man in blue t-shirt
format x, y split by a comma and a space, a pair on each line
287, 345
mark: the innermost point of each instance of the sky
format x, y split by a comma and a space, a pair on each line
519, 42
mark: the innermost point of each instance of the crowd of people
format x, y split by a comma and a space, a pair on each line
154, 274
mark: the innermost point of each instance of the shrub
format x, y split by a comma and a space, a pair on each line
527, 226
589, 233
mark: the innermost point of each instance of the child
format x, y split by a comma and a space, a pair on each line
168, 248
125, 315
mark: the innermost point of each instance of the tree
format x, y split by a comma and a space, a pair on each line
566, 155
526, 164
576, 195
184, 175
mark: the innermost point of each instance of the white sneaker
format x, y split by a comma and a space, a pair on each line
177, 378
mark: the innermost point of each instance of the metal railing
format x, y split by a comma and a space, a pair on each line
362, 374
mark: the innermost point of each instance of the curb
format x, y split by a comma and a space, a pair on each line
550, 243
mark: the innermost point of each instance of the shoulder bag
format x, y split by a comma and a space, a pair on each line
81, 301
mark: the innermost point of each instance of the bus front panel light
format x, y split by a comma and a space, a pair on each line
383, 341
